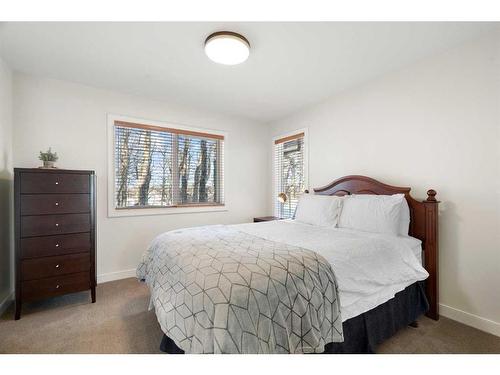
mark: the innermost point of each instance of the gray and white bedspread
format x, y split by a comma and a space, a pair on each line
219, 290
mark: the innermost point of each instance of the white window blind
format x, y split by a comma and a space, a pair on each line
166, 167
289, 173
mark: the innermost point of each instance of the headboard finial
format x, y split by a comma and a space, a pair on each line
431, 195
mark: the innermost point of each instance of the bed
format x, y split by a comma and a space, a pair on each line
287, 287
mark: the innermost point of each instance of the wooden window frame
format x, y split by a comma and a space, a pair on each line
120, 120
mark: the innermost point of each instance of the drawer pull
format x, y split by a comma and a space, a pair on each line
57, 245
57, 203
57, 265
58, 286
57, 224
57, 182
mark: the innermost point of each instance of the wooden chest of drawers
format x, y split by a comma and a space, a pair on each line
54, 233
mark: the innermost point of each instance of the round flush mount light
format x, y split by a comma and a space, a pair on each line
226, 47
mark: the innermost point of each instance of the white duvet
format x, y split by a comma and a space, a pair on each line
370, 268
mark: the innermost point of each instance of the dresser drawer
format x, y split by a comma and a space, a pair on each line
54, 224
33, 183
41, 204
37, 268
54, 286
34, 247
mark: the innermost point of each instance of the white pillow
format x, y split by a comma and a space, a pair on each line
322, 210
404, 220
372, 213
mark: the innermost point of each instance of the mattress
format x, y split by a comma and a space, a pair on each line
415, 245
370, 268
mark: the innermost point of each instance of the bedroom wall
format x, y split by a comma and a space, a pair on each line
435, 124
6, 176
71, 118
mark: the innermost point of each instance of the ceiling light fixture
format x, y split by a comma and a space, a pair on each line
226, 47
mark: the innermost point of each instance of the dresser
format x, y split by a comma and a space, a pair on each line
54, 233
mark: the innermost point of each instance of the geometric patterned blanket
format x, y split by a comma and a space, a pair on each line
219, 290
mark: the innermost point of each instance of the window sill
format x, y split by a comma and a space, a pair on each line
148, 211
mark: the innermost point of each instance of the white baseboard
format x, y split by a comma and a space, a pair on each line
464, 317
469, 319
6, 302
111, 276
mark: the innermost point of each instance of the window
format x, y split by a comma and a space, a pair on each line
289, 173
163, 167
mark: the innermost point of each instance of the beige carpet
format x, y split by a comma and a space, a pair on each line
120, 323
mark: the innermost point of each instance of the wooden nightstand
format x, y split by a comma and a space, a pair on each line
265, 218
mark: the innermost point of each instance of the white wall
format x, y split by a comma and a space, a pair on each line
433, 125
6, 176
71, 118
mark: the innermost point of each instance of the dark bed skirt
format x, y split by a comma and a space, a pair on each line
364, 332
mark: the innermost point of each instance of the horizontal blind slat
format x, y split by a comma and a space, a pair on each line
125, 124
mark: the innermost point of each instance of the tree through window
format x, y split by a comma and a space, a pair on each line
164, 167
289, 174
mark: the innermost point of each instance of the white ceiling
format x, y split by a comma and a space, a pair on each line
291, 65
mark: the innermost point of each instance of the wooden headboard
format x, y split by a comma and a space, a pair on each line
423, 223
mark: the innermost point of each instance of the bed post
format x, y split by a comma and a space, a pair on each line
431, 246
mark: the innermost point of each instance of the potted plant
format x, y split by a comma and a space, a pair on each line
48, 158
